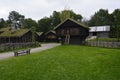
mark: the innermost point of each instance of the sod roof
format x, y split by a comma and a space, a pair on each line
39, 33
6, 32
51, 31
72, 21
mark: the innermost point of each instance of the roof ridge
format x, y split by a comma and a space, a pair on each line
7, 32
72, 21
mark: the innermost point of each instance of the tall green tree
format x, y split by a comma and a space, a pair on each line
85, 21
116, 24
33, 29
70, 14
100, 18
29, 23
3, 23
64, 15
55, 18
77, 17
44, 24
16, 19
112, 26
13, 15
48, 23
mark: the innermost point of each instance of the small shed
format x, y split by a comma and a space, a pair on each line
39, 36
72, 32
99, 31
17, 36
51, 36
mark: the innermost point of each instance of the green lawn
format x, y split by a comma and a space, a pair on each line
64, 63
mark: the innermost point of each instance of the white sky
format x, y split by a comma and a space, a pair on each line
37, 9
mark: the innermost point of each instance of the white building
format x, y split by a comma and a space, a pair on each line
99, 31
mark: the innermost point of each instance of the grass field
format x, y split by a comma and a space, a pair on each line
64, 63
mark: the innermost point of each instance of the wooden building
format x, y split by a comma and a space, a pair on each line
40, 36
17, 36
51, 36
72, 32
99, 32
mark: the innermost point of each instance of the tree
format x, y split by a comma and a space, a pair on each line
16, 18
75, 16
85, 21
13, 15
100, 18
44, 24
64, 15
33, 33
55, 18
70, 14
116, 23
48, 23
3, 23
29, 23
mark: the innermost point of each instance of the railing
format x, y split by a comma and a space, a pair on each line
103, 44
14, 46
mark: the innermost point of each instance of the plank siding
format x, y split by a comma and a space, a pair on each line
74, 32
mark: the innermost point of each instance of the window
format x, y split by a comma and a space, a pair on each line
94, 33
74, 31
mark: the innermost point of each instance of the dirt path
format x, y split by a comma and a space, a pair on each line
43, 47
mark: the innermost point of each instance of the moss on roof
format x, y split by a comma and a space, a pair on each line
72, 21
6, 32
51, 31
39, 33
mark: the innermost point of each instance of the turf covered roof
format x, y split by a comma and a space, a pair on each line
39, 33
6, 32
72, 21
51, 31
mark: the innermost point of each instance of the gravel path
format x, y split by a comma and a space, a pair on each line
43, 47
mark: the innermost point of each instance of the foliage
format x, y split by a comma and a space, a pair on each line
85, 21
44, 24
100, 18
3, 23
18, 46
6, 32
64, 15
29, 23
33, 33
55, 18
13, 15
70, 14
116, 17
64, 63
16, 19
48, 23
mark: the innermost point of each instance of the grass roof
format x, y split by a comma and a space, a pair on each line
39, 33
72, 21
6, 32
51, 31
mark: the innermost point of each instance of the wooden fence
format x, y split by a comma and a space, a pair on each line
103, 44
14, 46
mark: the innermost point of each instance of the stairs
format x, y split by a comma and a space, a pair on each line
67, 39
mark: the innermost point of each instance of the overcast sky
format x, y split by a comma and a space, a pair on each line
37, 9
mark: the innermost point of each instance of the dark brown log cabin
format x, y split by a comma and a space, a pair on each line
40, 36
18, 36
51, 36
72, 32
